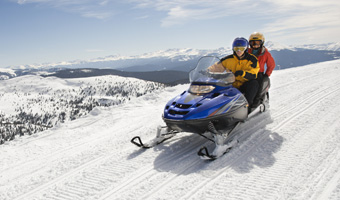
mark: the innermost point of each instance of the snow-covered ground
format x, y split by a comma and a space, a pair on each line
290, 152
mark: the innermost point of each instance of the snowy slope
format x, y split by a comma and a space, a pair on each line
290, 152
52, 99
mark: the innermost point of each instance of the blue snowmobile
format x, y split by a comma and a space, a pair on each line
211, 107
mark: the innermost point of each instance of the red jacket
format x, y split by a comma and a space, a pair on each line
265, 57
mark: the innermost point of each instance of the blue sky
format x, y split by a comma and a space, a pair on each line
47, 31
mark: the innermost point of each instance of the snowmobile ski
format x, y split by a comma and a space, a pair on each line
163, 134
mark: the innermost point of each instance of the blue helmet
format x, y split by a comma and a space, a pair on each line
240, 43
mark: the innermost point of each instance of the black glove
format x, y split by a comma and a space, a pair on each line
239, 73
265, 76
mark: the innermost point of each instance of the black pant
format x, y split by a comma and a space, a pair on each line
259, 79
250, 89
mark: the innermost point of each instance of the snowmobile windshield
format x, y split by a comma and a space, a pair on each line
203, 74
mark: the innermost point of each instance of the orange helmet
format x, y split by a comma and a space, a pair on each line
256, 36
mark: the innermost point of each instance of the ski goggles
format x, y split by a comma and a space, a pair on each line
239, 49
255, 42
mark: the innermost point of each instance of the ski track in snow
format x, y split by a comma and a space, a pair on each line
288, 152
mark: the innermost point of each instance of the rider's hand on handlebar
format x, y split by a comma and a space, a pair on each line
238, 73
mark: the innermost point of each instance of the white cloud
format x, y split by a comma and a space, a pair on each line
183, 11
99, 9
178, 11
104, 3
293, 19
276, 17
316, 21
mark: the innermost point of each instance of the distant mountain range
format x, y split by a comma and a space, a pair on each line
170, 66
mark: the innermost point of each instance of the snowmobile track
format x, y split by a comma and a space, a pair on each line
257, 139
90, 175
79, 168
148, 172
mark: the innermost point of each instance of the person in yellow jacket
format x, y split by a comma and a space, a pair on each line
245, 67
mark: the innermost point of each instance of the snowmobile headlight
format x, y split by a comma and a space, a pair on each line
201, 89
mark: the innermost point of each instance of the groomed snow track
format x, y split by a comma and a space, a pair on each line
290, 152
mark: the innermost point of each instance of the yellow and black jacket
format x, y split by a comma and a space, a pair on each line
244, 69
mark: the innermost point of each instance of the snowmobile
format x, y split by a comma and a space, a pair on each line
211, 107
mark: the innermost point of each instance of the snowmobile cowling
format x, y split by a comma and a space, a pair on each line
210, 98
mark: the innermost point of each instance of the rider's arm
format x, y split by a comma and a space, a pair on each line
270, 64
217, 67
250, 69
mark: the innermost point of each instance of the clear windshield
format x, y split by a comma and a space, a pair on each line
202, 74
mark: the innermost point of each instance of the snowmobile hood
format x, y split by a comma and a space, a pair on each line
189, 106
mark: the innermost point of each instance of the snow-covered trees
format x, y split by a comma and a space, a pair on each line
41, 106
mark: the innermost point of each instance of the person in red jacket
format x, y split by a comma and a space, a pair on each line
257, 48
